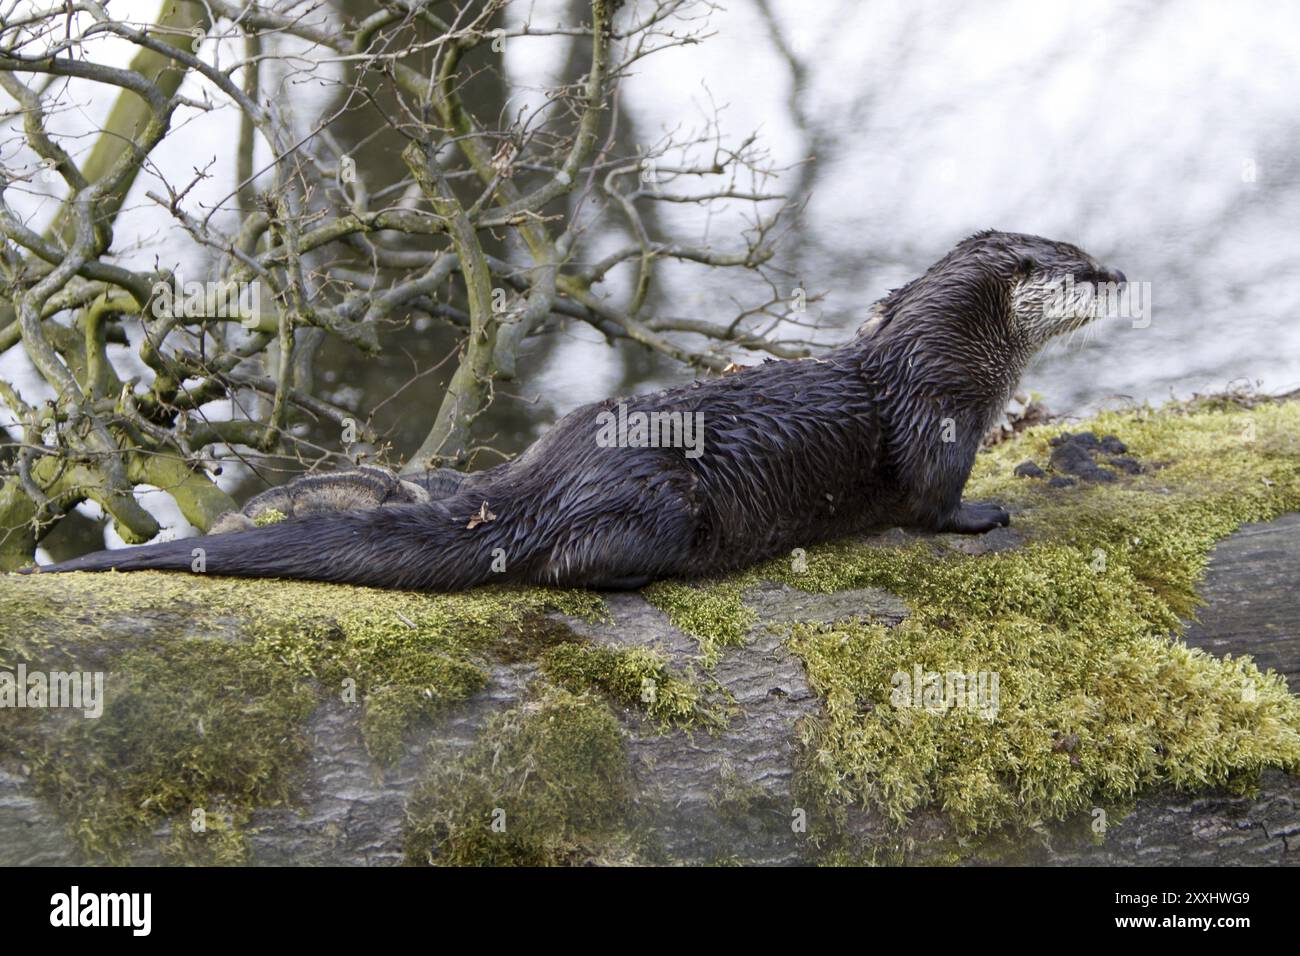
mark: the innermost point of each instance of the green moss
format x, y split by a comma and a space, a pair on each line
207, 727
545, 783
710, 611
403, 686
635, 677
215, 839
206, 659
269, 516
533, 637
1097, 701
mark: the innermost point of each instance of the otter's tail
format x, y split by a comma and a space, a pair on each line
418, 547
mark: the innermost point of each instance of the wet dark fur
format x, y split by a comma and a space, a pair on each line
795, 452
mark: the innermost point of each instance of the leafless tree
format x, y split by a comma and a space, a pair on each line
494, 220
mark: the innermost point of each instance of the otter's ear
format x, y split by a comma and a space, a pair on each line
1026, 266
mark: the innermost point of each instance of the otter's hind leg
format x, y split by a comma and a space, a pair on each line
640, 532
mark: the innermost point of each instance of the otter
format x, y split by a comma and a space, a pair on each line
882, 430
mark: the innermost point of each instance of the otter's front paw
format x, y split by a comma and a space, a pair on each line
977, 517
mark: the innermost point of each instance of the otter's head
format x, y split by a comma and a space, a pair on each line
1052, 287
1005, 286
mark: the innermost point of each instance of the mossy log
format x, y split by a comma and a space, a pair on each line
786, 715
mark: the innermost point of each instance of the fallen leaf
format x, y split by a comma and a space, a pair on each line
482, 517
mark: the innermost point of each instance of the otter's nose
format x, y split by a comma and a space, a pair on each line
1117, 276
